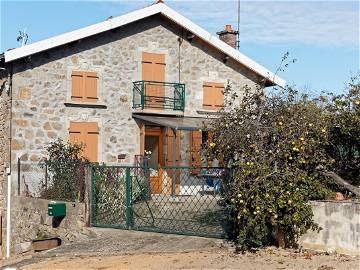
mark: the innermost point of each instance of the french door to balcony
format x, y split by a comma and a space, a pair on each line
153, 69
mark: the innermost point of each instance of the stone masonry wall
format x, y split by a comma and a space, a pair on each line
30, 220
42, 86
340, 223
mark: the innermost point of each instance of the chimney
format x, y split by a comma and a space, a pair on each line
228, 36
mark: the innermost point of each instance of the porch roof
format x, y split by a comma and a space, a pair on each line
175, 122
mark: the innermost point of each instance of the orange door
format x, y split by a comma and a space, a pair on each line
154, 143
153, 69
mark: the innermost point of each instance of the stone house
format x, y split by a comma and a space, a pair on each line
144, 81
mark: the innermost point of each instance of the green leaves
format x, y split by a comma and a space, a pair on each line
66, 172
278, 145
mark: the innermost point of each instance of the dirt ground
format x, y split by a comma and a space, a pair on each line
118, 249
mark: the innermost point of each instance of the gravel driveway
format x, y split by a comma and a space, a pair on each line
120, 249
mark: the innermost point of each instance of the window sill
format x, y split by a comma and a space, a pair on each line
205, 111
78, 104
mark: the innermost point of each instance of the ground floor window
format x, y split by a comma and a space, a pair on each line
86, 133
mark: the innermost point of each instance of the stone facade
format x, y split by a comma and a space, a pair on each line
41, 90
31, 221
42, 86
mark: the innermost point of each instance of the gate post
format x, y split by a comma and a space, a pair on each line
128, 199
87, 195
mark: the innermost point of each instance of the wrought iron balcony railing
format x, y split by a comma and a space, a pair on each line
159, 95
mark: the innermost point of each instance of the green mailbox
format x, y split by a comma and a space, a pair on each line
57, 209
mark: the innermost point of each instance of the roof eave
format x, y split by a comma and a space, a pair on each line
135, 16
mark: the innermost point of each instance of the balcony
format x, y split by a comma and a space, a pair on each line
158, 95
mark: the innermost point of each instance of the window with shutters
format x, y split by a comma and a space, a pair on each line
86, 133
84, 86
153, 69
213, 96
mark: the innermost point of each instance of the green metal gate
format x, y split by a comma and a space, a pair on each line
177, 200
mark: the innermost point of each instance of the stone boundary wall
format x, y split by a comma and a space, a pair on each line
340, 223
30, 218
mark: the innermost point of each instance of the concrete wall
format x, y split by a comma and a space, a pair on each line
340, 222
30, 218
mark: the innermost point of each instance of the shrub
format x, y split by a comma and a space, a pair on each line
66, 172
344, 133
276, 146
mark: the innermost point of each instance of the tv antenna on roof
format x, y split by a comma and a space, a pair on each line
238, 27
22, 37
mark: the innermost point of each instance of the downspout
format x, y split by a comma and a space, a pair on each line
8, 214
8, 171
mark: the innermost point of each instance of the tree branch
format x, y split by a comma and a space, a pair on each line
342, 182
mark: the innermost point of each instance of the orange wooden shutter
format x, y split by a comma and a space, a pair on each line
195, 151
213, 96
219, 95
92, 135
86, 133
84, 86
91, 85
207, 96
153, 69
142, 139
77, 81
170, 152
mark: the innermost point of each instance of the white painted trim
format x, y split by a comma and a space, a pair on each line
8, 213
135, 16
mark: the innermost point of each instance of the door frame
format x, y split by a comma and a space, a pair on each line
157, 132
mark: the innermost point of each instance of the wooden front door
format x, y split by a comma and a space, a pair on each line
153, 69
154, 143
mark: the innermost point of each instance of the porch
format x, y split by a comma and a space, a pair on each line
167, 142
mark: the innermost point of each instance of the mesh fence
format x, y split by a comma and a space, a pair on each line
31, 178
164, 199
34, 179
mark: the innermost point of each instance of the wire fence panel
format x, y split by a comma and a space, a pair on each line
163, 199
31, 178
35, 179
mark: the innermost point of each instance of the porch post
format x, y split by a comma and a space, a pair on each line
173, 186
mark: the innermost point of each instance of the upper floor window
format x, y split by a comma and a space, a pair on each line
153, 69
84, 86
213, 96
